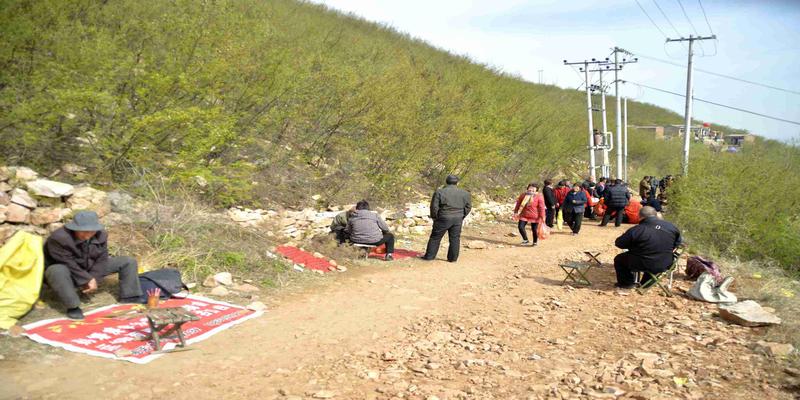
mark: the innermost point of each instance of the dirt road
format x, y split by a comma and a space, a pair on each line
496, 325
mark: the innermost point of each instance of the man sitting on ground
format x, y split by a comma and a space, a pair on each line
650, 246
367, 227
339, 225
76, 256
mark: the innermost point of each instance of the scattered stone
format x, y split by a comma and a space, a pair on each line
4, 199
477, 244
3, 210
324, 394
772, 349
246, 287
191, 285
210, 282
17, 214
318, 255
224, 278
48, 188
200, 181
72, 169
220, 291
25, 174
21, 197
748, 313
341, 268
257, 306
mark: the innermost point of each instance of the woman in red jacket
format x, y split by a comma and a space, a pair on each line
530, 209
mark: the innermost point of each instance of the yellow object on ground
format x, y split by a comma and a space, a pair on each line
21, 273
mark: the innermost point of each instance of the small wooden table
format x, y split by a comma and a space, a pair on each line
161, 319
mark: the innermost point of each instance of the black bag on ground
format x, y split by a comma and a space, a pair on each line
166, 279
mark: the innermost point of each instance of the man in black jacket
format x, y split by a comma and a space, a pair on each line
449, 206
650, 246
76, 256
617, 198
549, 202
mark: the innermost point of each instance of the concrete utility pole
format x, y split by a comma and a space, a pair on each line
617, 67
688, 113
541, 76
625, 140
605, 168
587, 85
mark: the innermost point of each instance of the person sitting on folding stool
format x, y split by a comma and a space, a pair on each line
650, 246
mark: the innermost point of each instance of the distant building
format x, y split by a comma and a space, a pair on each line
700, 133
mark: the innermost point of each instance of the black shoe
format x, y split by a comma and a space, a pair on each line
423, 258
535, 244
388, 257
75, 313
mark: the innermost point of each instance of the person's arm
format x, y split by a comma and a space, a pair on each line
349, 227
625, 240
382, 225
435, 205
542, 208
468, 206
63, 256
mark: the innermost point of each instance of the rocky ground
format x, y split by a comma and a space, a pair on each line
496, 325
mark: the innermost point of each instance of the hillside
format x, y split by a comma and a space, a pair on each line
269, 100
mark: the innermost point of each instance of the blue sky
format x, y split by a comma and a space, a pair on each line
757, 41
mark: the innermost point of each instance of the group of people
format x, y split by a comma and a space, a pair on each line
77, 258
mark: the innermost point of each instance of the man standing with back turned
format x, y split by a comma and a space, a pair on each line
449, 206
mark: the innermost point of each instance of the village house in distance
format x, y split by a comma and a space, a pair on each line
718, 140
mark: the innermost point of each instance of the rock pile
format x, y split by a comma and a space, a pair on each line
412, 220
40, 206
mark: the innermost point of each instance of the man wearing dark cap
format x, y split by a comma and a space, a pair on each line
650, 246
76, 257
449, 206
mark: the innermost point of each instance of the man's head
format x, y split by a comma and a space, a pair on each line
362, 205
548, 182
451, 180
648, 178
84, 225
647, 212
618, 182
602, 180
590, 179
576, 187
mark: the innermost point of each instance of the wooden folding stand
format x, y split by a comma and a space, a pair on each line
161, 319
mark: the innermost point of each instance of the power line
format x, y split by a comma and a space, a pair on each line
692, 25
651, 19
705, 16
721, 75
717, 104
667, 18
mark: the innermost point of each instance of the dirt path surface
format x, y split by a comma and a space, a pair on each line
496, 325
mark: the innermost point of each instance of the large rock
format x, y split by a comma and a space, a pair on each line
17, 214
3, 210
47, 188
24, 174
21, 197
5, 187
772, 349
224, 278
120, 202
47, 215
87, 198
5, 174
4, 199
748, 313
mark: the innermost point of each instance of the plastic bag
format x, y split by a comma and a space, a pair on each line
560, 220
543, 232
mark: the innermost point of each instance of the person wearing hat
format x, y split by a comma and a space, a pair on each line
449, 206
76, 257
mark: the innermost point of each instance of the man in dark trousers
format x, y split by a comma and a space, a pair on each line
650, 246
449, 206
549, 202
617, 198
76, 257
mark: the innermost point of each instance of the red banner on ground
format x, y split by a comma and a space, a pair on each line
119, 332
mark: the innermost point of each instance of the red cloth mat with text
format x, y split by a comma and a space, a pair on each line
119, 332
398, 254
304, 258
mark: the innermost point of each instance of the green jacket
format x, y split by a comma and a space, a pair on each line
450, 202
339, 221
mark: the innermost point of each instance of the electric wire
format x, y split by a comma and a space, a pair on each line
651, 19
718, 104
705, 16
692, 25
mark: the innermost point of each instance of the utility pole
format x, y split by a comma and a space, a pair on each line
541, 76
625, 133
605, 168
688, 112
585, 70
617, 67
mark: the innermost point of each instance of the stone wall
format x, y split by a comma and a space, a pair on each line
37, 205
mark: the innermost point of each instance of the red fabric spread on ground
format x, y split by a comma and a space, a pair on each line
398, 254
115, 332
305, 258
